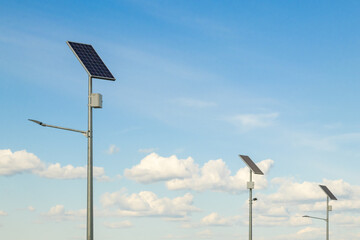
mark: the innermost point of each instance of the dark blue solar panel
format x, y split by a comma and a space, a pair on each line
251, 164
327, 191
90, 60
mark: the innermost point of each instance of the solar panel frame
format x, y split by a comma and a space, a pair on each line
328, 193
251, 164
90, 60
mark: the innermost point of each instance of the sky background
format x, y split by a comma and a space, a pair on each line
197, 83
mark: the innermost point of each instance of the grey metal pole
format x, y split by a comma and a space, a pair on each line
327, 218
250, 208
90, 223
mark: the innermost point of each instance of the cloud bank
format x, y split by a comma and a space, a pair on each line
252, 121
154, 168
12, 163
147, 203
182, 174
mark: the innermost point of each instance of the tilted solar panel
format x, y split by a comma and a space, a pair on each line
90, 60
251, 164
327, 191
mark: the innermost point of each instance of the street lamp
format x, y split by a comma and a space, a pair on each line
250, 186
95, 68
331, 196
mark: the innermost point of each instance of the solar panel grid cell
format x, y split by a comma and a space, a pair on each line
91, 61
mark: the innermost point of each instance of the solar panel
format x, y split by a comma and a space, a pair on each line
251, 165
90, 60
327, 191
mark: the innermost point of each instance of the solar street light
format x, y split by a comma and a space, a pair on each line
250, 186
95, 68
329, 195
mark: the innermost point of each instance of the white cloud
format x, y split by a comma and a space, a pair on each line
171, 236
265, 220
58, 213
214, 219
288, 220
156, 168
216, 176
346, 220
268, 213
112, 149
185, 174
311, 230
292, 200
340, 205
250, 121
307, 233
189, 225
342, 189
56, 210
299, 220
56, 171
22, 162
207, 233
18, 162
310, 197
115, 225
31, 208
290, 191
147, 203
3, 213
278, 211
284, 207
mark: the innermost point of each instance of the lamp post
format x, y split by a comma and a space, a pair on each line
329, 196
250, 186
95, 68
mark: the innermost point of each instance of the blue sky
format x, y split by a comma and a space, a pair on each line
197, 84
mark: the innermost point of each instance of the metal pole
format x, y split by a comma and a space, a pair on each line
250, 208
90, 223
327, 218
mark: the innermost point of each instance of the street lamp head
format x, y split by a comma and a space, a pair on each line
37, 122
306, 216
255, 199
